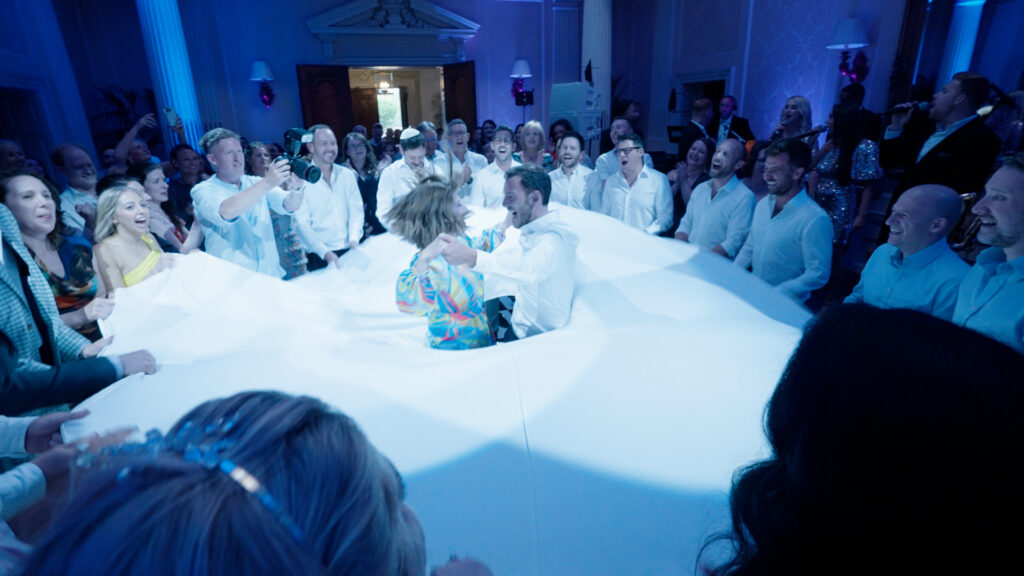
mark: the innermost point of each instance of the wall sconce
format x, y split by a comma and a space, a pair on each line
850, 33
383, 81
261, 73
521, 70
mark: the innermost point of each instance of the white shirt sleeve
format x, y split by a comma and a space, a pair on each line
817, 255
662, 206
739, 226
355, 206
529, 267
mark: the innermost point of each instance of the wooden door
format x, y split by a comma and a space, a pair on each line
460, 93
326, 99
364, 107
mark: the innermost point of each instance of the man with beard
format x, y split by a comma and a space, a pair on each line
637, 195
330, 221
790, 240
568, 181
402, 175
539, 268
78, 200
489, 183
718, 216
991, 298
234, 208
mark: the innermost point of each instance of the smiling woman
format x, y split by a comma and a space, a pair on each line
126, 253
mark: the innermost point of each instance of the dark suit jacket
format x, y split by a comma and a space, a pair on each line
963, 161
23, 388
738, 127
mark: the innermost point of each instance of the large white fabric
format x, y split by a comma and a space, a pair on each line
604, 447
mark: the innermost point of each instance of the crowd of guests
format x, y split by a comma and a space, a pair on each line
783, 208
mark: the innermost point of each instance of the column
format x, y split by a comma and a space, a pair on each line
169, 66
963, 31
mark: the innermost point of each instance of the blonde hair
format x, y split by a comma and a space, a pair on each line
426, 211
105, 208
534, 125
805, 112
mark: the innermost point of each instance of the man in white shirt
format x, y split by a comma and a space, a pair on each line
234, 208
638, 195
718, 216
459, 164
401, 176
569, 180
78, 200
607, 165
330, 220
540, 267
916, 268
429, 132
489, 183
790, 240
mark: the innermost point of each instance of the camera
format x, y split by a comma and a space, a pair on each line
294, 138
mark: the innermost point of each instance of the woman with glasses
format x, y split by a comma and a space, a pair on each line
358, 155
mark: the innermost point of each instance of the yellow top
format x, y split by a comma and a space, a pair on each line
140, 272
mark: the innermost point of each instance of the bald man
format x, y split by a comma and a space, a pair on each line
916, 268
720, 210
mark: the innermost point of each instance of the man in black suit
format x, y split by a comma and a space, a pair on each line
700, 114
958, 154
726, 124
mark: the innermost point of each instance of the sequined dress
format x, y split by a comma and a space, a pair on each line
841, 201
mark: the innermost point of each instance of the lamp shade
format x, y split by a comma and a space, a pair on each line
260, 72
848, 34
521, 69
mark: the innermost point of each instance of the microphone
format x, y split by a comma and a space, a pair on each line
907, 106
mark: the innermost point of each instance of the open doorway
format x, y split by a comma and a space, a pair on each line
396, 97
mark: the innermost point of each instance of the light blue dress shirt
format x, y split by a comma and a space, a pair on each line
792, 250
723, 220
248, 240
991, 299
927, 280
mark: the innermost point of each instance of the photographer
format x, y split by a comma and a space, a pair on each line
234, 208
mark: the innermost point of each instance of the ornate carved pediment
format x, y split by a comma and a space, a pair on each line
398, 32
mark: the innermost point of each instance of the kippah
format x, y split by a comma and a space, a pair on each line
409, 133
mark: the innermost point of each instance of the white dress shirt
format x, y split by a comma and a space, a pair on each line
489, 186
331, 214
569, 190
477, 162
71, 198
723, 220
791, 251
646, 205
397, 180
248, 240
607, 165
541, 266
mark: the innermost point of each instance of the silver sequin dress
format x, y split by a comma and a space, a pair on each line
841, 201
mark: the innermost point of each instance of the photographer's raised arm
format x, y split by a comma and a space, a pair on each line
237, 204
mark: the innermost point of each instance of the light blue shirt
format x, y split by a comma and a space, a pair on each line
723, 220
792, 250
991, 299
247, 240
927, 280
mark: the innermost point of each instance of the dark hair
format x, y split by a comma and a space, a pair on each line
417, 141
111, 180
799, 153
847, 132
571, 134
710, 146
1015, 161
634, 138
178, 149
532, 177
748, 165
560, 122
504, 128
57, 155
11, 173
139, 172
489, 121
853, 94
336, 511
975, 87
893, 434
730, 97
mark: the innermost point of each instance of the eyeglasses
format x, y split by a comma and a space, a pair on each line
626, 151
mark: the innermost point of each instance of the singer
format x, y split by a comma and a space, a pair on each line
795, 122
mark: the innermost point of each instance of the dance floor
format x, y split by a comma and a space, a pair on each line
605, 447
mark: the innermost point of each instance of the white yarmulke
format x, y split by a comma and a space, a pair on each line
409, 133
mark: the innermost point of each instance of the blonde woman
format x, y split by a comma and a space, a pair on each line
533, 151
126, 253
795, 120
451, 297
